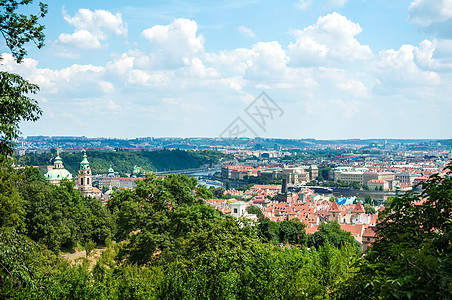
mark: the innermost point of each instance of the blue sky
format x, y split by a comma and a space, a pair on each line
335, 68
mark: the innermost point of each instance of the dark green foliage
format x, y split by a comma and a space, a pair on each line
255, 211
15, 106
369, 209
268, 230
124, 161
324, 173
411, 257
12, 212
226, 260
260, 180
157, 213
19, 29
292, 232
339, 184
332, 233
60, 217
22, 264
286, 232
218, 193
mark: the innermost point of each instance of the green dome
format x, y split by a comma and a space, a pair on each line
58, 174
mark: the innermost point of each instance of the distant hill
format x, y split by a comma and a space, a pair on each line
446, 142
124, 161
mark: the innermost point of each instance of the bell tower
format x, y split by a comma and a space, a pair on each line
85, 178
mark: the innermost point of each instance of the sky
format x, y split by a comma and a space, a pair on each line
324, 69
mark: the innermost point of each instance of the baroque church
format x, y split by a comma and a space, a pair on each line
84, 178
58, 172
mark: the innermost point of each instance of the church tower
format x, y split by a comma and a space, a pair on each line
85, 178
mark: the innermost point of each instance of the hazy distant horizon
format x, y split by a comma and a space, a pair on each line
276, 138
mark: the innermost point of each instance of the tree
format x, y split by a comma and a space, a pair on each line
12, 212
268, 230
19, 29
332, 233
411, 257
15, 104
292, 232
255, 211
59, 216
369, 209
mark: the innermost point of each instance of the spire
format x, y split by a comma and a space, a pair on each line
84, 164
58, 162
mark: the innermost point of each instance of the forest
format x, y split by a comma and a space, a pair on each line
124, 161
161, 241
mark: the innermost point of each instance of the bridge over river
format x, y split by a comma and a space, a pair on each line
203, 171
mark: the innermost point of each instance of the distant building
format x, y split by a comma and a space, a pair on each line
368, 237
349, 177
58, 172
238, 210
377, 184
406, 177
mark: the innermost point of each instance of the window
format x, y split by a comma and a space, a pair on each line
235, 210
81, 181
87, 180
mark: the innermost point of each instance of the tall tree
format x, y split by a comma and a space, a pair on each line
15, 104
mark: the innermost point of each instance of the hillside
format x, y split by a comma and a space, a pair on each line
124, 161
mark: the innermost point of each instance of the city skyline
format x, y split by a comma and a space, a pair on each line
336, 69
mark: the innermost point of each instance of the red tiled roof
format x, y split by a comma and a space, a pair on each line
358, 208
370, 231
334, 207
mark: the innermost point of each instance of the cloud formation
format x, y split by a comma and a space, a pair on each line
426, 12
331, 39
171, 81
247, 32
92, 27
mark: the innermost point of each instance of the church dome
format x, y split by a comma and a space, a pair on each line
58, 174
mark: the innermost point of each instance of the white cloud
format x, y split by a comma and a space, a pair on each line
426, 12
175, 42
98, 22
247, 32
398, 72
80, 39
82, 80
330, 39
175, 82
425, 56
266, 61
92, 27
